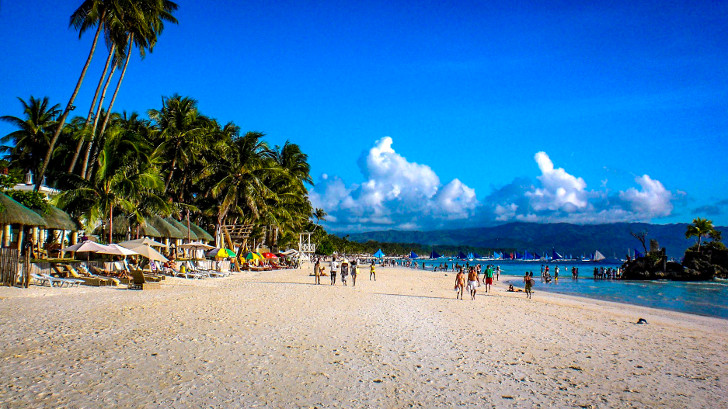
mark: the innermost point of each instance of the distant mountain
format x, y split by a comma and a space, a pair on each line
610, 239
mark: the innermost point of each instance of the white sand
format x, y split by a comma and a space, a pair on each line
273, 339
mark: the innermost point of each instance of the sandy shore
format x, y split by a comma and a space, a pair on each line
273, 339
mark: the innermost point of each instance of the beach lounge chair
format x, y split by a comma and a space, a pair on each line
60, 282
213, 273
87, 278
139, 282
39, 280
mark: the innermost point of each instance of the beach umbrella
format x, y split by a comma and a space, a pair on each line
145, 240
269, 255
118, 250
253, 256
148, 252
87, 246
379, 254
196, 245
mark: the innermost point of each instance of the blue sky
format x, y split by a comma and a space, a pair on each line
437, 114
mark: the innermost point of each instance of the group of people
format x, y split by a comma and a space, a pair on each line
345, 268
473, 281
601, 273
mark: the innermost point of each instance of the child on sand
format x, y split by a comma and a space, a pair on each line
459, 284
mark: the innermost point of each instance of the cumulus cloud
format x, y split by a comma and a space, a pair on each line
396, 193
558, 196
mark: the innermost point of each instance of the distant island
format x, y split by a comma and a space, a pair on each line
612, 240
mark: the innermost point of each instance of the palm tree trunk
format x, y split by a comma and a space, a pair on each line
91, 109
62, 120
111, 223
169, 177
96, 122
130, 39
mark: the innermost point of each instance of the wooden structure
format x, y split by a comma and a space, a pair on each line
305, 247
231, 234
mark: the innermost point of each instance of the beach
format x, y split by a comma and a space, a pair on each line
274, 339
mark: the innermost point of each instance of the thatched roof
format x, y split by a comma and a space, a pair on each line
15, 213
182, 227
202, 234
165, 229
56, 218
121, 227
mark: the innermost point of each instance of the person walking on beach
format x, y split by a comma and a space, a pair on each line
528, 280
334, 270
344, 270
354, 271
488, 278
497, 273
459, 284
372, 272
317, 271
473, 281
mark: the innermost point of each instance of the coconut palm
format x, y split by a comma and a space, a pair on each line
294, 161
126, 175
90, 13
319, 214
700, 228
182, 131
32, 139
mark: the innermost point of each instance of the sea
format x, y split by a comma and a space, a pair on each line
708, 298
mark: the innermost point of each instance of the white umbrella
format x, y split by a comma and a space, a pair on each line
86, 247
143, 241
148, 252
118, 250
196, 245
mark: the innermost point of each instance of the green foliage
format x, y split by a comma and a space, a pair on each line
30, 199
325, 248
700, 228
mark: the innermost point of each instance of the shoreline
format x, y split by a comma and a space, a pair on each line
276, 339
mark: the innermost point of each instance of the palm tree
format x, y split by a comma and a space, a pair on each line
89, 14
126, 177
293, 160
182, 131
320, 214
132, 22
700, 228
32, 139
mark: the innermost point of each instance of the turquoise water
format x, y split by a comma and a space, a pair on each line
708, 298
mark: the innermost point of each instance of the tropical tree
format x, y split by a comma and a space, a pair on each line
182, 133
700, 228
89, 14
31, 140
126, 177
319, 214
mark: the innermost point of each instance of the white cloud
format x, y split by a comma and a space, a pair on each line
653, 200
559, 191
562, 197
396, 193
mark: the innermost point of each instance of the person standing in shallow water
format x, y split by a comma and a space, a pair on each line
372, 272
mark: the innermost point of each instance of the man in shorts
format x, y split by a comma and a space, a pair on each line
488, 278
473, 282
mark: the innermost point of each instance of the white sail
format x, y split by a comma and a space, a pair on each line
598, 256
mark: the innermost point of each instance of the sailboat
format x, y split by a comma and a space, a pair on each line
598, 256
434, 254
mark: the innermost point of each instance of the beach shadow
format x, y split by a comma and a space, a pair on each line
416, 296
